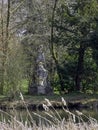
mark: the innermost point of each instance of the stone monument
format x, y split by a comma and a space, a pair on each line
42, 84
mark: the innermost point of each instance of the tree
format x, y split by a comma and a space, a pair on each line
4, 37
74, 22
10, 57
36, 32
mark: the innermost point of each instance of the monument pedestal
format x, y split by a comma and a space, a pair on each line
32, 90
41, 90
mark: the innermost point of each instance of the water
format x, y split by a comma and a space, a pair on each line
91, 112
23, 115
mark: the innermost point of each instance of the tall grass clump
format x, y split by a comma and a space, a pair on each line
52, 120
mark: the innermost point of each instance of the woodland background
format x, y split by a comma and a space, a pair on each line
69, 32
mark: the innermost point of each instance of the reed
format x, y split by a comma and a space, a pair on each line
54, 122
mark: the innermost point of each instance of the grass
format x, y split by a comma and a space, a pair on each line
52, 120
59, 125
70, 96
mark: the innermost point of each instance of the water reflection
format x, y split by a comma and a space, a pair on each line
23, 115
91, 113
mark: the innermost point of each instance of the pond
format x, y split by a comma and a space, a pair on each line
23, 115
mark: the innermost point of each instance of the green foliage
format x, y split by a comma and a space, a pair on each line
75, 24
90, 72
14, 69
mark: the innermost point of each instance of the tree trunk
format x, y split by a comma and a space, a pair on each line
52, 48
4, 41
60, 78
79, 71
2, 48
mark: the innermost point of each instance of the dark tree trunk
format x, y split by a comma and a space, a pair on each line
59, 75
79, 71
